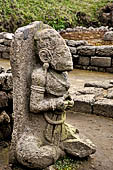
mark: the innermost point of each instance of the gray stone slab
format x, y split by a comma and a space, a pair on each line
101, 61
90, 90
5, 55
83, 103
110, 70
6, 81
73, 50
101, 69
103, 107
104, 50
86, 50
110, 93
74, 43
108, 36
4, 48
84, 60
99, 84
93, 68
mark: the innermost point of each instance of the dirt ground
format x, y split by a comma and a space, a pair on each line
100, 131
97, 128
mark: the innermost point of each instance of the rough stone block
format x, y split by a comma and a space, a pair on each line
6, 81
104, 50
84, 67
78, 66
110, 70
101, 61
2, 41
108, 36
99, 84
7, 42
5, 55
74, 43
101, 69
4, 48
3, 99
84, 61
73, 50
93, 68
110, 93
82, 103
86, 50
103, 107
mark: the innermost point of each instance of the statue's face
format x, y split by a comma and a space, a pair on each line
61, 57
53, 49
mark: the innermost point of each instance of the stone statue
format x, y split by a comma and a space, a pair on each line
40, 61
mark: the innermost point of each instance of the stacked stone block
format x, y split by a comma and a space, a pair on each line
95, 58
5, 44
6, 106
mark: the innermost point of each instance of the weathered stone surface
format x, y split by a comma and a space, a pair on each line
90, 90
4, 118
110, 93
8, 36
93, 68
86, 50
101, 69
40, 93
73, 50
83, 103
76, 147
103, 107
108, 36
104, 50
2, 41
84, 60
110, 70
6, 81
74, 43
5, 55
99, 84
3, 99
101, 61
4, 48
7, 42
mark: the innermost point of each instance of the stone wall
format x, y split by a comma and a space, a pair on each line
83, 29
87, 57
6, 105
5, 44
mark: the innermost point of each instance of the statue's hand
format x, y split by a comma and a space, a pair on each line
68, 104
65, 104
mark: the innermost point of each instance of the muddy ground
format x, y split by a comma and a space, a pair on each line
100, 131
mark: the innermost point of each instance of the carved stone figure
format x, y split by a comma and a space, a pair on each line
40, 61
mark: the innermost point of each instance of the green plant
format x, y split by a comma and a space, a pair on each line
67, 163
57, 13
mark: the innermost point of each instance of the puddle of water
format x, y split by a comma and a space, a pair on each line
5, 63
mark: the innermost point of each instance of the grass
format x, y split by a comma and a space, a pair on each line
57, 13
67, 163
